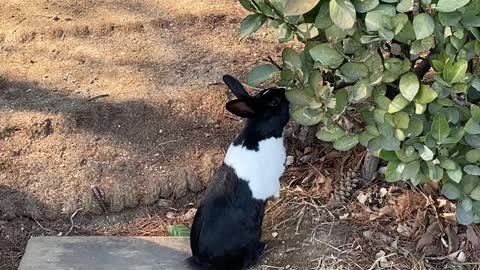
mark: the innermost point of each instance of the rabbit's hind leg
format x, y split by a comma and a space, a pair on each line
253, 253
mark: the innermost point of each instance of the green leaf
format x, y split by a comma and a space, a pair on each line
473, 156
346, 142
409, 85
450, 5
360, 91
397, 104
374, 18
341, 98
354, 71
323, 21
262, 73
472, 169
299, 7
455, 73
364, 138
440, 129
451, 191
251, 24
425, 95
422, 45
350, 45
473, 21
456, 174
405, 6
246, 4
394, 171
363, 6
284, 33
475, 111
449, 18
389, 143
475, 194
473, 140
464, 211
326, 55
299, 97
468, 183
411, 170
342, 13
307, 117
401, 120
423, 25
307, 31
179, 231
425, 152
335, 34
415, 127
330, 135
387, 155
472, 127
448, 164
291, 59
407, 34
434, 172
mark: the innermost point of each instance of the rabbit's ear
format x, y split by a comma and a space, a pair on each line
240, 108
236, 87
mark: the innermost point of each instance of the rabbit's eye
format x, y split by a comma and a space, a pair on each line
274, 102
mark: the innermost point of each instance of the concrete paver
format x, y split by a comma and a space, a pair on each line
101, 252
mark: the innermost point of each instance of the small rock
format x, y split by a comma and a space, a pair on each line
368, 234
55, 18
274, 234
383, 192
343, 217
461, 257
362, 198
404, 230
170, 215
163, 203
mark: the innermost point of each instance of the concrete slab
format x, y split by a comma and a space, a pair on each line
92, 252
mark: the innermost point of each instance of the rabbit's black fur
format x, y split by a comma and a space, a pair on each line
227, 227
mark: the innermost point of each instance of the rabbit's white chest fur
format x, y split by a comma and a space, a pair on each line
261, 169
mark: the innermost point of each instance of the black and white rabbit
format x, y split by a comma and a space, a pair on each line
227, 227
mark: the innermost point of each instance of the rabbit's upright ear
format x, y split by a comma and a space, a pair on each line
236, 87
240, 108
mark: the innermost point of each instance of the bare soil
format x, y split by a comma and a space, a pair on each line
112, 120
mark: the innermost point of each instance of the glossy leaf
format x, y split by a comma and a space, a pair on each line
425, 95
409, 85
440, 129
262, 73
450, 5
327, 55
451, 191
397, 104
299, 7
346, 142
342, 13
423, 25
251, 24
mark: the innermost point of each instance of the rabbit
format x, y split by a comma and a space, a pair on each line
227, 227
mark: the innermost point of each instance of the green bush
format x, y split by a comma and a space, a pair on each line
399, 77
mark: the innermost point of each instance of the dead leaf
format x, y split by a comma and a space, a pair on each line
189, 214
427, 239
453, 240
473, 237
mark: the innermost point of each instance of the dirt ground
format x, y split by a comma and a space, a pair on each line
112, 119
